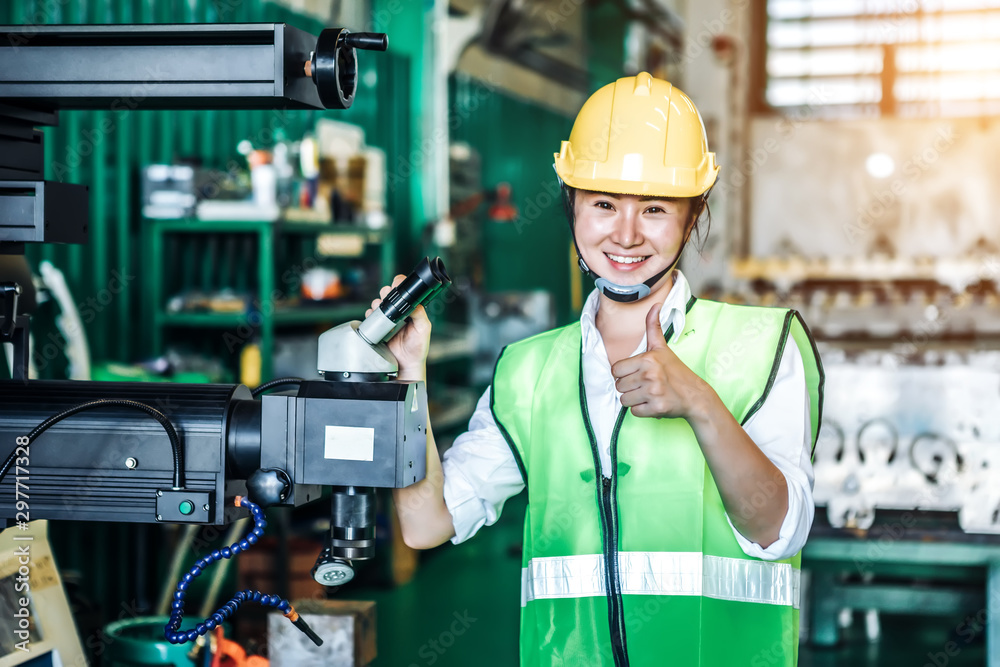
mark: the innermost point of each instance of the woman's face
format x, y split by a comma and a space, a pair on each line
629, 239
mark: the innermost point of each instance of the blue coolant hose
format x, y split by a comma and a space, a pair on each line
172, 630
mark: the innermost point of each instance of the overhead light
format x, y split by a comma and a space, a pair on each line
880, 165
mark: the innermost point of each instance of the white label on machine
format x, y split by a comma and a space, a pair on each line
350, 443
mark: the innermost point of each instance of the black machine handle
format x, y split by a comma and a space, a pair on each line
369, 41
334, 64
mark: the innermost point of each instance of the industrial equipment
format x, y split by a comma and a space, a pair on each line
907, 436
912, 371
195, 454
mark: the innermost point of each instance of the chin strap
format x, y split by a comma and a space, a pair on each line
614, 291
623, 293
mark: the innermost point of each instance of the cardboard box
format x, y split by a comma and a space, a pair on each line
347, 628
28, 574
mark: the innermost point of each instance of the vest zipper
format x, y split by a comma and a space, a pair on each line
615, 603
608, 491
607, 488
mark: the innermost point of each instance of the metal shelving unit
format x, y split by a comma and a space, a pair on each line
451, 341
263, 320
451, 403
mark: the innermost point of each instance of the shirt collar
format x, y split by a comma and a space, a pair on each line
673, 312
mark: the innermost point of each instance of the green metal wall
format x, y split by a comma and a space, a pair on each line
606, 30
405, 23
516, 140
105, 150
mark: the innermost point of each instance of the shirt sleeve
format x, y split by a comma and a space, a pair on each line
782, 429
480, 474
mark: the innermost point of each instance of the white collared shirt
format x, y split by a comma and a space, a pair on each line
481, 473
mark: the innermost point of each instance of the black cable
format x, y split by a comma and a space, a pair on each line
275, 383
175, 441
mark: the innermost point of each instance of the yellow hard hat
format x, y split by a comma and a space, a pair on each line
638, 136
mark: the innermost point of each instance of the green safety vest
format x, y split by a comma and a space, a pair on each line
643, 568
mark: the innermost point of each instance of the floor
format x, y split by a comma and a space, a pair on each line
462, 609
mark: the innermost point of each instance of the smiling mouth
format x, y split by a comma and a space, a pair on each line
626, 262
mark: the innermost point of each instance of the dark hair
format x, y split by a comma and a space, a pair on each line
699, 206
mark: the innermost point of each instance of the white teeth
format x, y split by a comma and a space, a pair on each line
626, 260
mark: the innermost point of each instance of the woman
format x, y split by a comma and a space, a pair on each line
665, 441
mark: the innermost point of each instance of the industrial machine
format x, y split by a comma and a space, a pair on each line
195, 454
910, 437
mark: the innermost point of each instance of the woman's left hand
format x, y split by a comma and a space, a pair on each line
656, 383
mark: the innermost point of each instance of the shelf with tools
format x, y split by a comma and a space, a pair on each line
451, 341
880, 298
451, 407
452, 402
246, 279
956, 273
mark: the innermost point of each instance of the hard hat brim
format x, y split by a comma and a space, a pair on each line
702, 182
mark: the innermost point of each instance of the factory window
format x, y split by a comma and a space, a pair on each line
906, 58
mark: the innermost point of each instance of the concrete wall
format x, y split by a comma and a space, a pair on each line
812, 193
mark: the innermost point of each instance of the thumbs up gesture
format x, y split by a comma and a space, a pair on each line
656, 383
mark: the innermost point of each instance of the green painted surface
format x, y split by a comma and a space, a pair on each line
606, 28
516, 141
404, 22
463, 606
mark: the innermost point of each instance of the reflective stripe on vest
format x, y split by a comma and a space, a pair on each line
663, 573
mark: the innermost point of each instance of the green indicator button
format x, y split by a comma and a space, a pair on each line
186, 507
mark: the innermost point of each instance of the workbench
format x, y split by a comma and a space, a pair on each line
933, 568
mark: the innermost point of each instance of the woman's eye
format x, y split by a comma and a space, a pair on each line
606, 205
655, 209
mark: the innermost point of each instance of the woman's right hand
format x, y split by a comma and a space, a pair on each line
411, 343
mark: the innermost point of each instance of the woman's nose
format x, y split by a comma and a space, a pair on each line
627, 230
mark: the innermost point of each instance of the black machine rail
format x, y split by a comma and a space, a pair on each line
182, 66
108, 463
